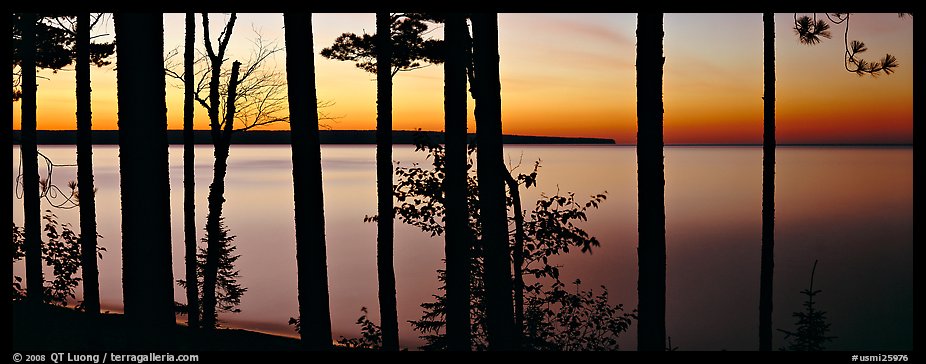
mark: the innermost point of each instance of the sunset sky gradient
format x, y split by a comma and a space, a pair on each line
573, 75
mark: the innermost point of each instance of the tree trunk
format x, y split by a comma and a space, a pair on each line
216, 59
457, 232
768, 189
147, 281
216, 202
385, 269
7, 136
189, 183
311, 256
88, 232
491, 168
30, 155
517, 253
220, 150
651, 286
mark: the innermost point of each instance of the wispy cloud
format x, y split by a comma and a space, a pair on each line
589, 27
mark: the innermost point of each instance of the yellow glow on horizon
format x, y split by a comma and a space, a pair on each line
573, 75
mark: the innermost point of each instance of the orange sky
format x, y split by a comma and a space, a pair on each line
573, 75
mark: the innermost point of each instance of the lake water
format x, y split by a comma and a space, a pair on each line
849, 207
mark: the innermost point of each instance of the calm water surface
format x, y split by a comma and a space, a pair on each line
851, 208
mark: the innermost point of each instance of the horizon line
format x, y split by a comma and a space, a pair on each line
613, 141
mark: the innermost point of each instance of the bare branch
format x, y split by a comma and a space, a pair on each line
206, 36
69, 27
171, 63
94, 20
226, 33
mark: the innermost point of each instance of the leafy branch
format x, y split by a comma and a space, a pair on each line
811, 31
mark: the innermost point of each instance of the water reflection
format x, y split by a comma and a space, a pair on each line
849, 207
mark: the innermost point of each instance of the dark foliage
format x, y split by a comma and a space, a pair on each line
52, 45
557, 320
410, 51
62, 252
371, 335
811, 30
17, 254
228, 291
811, 324
55, 39
580, 321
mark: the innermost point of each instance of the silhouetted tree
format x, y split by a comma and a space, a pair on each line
57, 41
385, 269
34, 44
214, 249
651, 287
221, 149
491, 168
810, 31
768, 187
812, 326
228, 291
253, 97
311, 256
189, 167
50, 47
87, 196
397, 46
91, 274
147, 281
30, 155
76, 31
459, 237
409, 48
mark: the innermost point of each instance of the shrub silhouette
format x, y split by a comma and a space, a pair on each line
812, 325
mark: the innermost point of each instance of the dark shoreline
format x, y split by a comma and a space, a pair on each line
111, 137
50, 328
407, 137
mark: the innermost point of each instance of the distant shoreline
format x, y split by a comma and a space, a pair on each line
346, 137
266, 137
